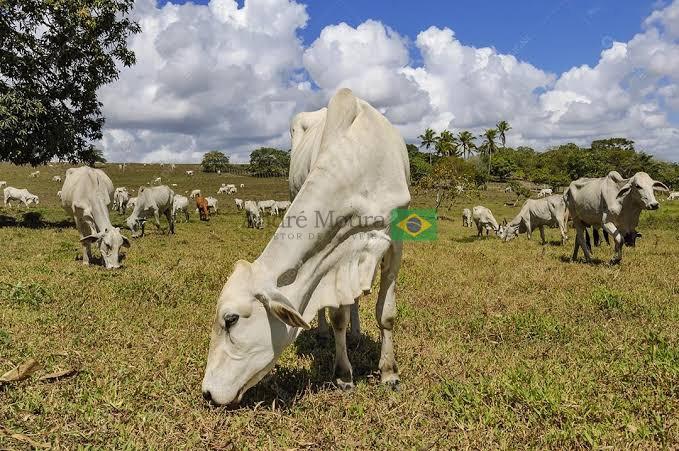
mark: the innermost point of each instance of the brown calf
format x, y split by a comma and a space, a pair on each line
203, 210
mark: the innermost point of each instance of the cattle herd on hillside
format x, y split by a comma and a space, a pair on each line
347, 160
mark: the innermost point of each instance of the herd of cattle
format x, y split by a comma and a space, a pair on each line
346, 160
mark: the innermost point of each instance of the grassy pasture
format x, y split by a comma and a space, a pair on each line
503, 345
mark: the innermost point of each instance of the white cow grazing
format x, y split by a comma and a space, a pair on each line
267, 205
360, 171
466, 217
613, 203
672, 196
56, 178
189, 173
545, 192
35, 174
242, 185
212, 204
180, 204
195, 193
131, 203
59, 194
173, 167
282, 206
483, 218
231, 189
239, 204
253, 215
120, 199
536, 214
508, 189
3, 183
157, 181
152, 201
19, 195
85, 196
222, 189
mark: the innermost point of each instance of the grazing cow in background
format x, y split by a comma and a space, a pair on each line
613, 203
189, 173
19, 195
265, 205
152, 201
361, 171
203, 208
59, 194
239, 204
195, 193
253, 215
466, 217
35, 174
120, 167
131, 203
222, 189
545, 192
212, 204
509, 189
484, 219
242, 185
282, 206
173, 167
536, 214
56, 178
180, 204
85, 196
120, 199
3, 183
231, 189
672, 196
157, 181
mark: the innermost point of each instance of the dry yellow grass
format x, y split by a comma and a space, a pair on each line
499, 344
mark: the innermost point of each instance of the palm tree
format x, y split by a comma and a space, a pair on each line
466, 139
428, 138
503, 127
447, 144
489, 146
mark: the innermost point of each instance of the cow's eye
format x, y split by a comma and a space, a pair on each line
229, 320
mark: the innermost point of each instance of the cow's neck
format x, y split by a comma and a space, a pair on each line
100, 215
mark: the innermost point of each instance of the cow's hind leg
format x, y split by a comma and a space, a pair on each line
343, 374
386, 313
355, 331
542, 234
170, 220
323, 328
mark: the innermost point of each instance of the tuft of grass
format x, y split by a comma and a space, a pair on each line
31, 294
608, 300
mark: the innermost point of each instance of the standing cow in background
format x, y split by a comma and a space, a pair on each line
545, 193
360, 170
253, 215
152, 201
120, 199
484, 219
85, 196
672, 196
19, 195
466, 217
203, 208
180, 204
613, 203
536, 214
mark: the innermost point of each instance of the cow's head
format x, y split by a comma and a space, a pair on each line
249, 333
639, 190
109, 242
510, 232
34, 200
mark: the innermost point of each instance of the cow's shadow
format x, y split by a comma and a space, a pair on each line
33, 220
466, 239
581, 261
285, 385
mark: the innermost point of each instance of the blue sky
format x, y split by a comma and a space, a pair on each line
554, 35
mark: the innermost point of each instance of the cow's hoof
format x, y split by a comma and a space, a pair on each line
344, 386
392, 381
615, 261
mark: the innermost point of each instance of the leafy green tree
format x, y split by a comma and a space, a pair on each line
54, 57
447, 144
502, 128
214, 161
489, 146
428, 139
466, 139
267, 161
419, 164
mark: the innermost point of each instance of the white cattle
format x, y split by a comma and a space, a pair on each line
253, 215
536, 214
152, 201
231, 189
173, 167
613, 203
85, 196
19, 195
267, 205
131, 203
174, 184
672, 196
360, 171
484, 219
120, 199
466, 217
157, 181
35, 174
508, 189
242, 185
545, 192
59, 194
189, 173
222, 189
239, 204
3, 183
180, 204
212, 204
120, 167
56, 178
281, 206
195, 193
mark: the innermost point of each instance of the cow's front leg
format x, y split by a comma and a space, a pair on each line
170, 220
580, 241
156, 218
344, 377
385, 311
542, 235
618, 238
355, 332
87, 253
323, 328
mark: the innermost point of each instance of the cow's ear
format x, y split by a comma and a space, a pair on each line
660, 186
91, 238
624, 190
282, 308
126, 241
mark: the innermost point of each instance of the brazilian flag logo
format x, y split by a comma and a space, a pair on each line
413, 225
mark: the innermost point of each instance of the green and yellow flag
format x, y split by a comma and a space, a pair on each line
413, 225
